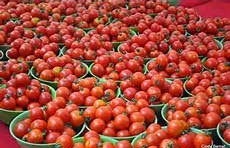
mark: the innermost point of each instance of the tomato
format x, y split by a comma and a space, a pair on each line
176, 90
65, 141
36, 113
123, 144
98, 70
98, 125
109, 132
121, 122
161, 61
226, 135
168, 143
77, 98
136, 128
211, 120
179, 115
55, 124
38, 124
35, 136
97, 92
175, 128
68, 131
141, 143
136, 117
152, 128
8, 102
185, 141
51, 137
148, 114
202, 140
104, 113
91, 134
63, 92
92, 142
21, 129
129, 93
76, 118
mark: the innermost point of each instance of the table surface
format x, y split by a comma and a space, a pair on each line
206, 8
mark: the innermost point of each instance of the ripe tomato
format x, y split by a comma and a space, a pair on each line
34, 136
202, 140
76, 118
98, 125
51, 137
65, 141
211, 120
176, 127
21, 129
55, 124
124, 144
121, 122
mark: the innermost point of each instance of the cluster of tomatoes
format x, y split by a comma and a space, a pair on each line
22, 93
92, 139
200, 111
119, 119
89, 47
142, 55
150, 90
54, 68
175, 65
117, 66
88, 91
51, 124
174, 135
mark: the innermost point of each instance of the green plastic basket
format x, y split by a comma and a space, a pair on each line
129, 138
8, 115
53, 83
211, 131
25, 144
225, 143
103, 139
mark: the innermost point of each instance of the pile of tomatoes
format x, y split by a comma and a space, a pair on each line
115, 65
157, 136
119, 119
22, 93
50, 124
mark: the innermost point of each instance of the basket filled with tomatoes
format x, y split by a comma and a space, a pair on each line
47, 126
216, 27
116, 66
174, 65
199, 112
116, 32
176, 134
119, 120
52, 69
88, 91
217, 59
213, 83
223, 131
88, 48
21, 93
151, 89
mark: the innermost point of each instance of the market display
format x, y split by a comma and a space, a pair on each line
113, 74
